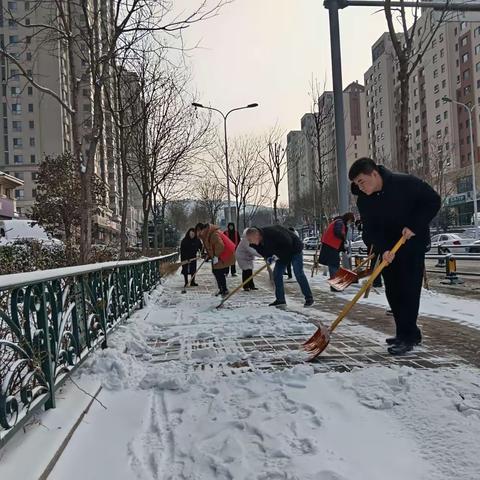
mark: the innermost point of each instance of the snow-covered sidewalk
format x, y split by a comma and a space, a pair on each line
185, 401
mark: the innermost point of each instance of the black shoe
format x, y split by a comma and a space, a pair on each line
400, 348
224, 293
234, 274
308, 302
289, 277
278, 303
253, 288
246, 289
194, 284
396, 341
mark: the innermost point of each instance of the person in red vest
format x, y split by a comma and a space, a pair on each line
333, 242
234, 236
220, 249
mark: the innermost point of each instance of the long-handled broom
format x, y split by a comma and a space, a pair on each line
233, 292
167, 269
184, 289
319, 341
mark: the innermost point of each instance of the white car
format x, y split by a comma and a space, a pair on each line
475, 247
358, 246
452, 240
310, 243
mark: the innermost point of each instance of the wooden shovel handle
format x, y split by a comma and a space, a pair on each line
233, 292
365, 287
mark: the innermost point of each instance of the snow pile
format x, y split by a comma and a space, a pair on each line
188, 418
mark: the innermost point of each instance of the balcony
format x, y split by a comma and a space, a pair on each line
7, 208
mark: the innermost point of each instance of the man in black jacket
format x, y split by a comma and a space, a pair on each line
284, 246
392, 205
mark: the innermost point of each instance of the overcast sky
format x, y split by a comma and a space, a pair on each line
267, 51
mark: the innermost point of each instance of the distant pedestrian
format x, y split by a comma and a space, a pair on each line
277, 243
245, 256
220, 249
392, 205
234, 236
189, 248
333, 242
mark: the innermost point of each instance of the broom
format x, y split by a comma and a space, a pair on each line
233, 292
319, 341
167, 269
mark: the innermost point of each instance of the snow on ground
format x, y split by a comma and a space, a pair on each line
458, 309
176, 420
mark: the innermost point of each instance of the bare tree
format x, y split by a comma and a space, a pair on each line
411, 40
322, 142
211, 198
247, 174
91, 34
275, 162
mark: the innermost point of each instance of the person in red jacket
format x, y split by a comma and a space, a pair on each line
234, 236
333, 240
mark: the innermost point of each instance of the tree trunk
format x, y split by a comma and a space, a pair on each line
164, 206
402, 138
146, 211
123, 221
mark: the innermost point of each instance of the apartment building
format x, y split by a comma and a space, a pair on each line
439, 130
304, 147
35, 125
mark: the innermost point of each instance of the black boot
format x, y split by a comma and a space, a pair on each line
392, 340
308, 302
278, 303
400, 348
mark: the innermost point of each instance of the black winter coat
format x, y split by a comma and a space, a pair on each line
404, 201
189, 248
279, 241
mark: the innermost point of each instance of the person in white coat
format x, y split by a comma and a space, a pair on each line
245, 255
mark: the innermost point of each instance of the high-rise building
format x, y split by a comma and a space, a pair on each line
35, 124
439, 130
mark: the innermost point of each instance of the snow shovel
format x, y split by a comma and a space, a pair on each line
319, 341
167, 269
233, 292
344, 277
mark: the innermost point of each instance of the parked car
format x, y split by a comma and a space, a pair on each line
310, 243
12, 231
457, 243
475, 248
358, 245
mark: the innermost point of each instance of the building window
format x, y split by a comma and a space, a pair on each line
32, 141
466, 74
437, 103
34, 176
435, 58
416, 105
438, 119
476, 31
463, 26
436, 89
415, 92
465, 57
28, 39
17, 126
6, 160
29, 56
13, 39
464, 41
417, 119
445, 114
30, 107
30, 91
19, 193
444, 83
14, 90
467, 90
17, 143
14, 74
440, 38
442, 53
442, 68
18, 159
32, 159
31, 124
435, 73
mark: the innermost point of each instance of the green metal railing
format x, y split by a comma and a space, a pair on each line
51, 320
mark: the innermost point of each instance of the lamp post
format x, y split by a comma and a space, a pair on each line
225, 116
472, 158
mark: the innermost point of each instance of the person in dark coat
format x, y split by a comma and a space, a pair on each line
280, 244
189, 247
234, 236
289, 266
333, 242
392, 205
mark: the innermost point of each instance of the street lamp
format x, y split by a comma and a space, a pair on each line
472, 155
250, 105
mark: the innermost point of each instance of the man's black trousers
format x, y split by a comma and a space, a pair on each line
403, 285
